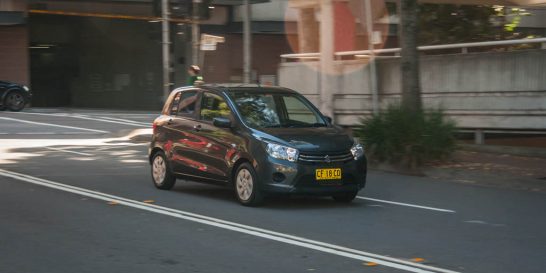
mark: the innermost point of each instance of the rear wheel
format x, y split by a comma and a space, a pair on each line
15, 101
161, 173
247, 188
347, 197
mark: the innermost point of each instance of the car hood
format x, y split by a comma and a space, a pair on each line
317, 139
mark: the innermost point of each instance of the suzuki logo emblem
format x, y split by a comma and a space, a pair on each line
327, 159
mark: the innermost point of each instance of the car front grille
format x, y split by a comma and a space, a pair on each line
326, 157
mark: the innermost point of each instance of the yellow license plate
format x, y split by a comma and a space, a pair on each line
328, 174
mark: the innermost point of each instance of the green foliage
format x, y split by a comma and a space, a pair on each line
407, 138
448, 23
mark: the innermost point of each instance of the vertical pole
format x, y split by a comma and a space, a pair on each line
247, 42
373, 68
326, 57
165, 37
479, 137
195, 32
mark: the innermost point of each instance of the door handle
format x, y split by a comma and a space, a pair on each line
197, 127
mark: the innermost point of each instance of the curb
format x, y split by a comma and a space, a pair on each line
512, 150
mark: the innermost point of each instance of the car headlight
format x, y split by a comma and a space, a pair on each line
357, 150
282, 152
26, 88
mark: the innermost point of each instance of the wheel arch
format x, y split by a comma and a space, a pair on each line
154, 151
236, 166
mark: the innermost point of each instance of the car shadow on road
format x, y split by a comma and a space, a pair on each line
272, 202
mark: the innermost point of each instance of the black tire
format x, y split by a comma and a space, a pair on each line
346, 197
162, 176
15, 101
248, 194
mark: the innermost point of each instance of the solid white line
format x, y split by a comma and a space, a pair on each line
67, 151
126, 120
101, 119
51, 133
258, 232
53, 125
132, 123
405, 204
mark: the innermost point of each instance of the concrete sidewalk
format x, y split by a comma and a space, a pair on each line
501, 170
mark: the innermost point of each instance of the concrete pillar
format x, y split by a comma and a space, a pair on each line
247, 42
166, 49
308, 31
479, 137
327, 85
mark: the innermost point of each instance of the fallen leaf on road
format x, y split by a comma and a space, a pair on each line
418, 260
148, 201
370, 264
113, 203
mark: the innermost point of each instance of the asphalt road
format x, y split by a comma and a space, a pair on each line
76, 196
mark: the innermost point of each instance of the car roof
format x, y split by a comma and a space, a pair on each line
227, 87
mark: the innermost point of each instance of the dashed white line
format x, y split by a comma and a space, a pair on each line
53, 125
405, 204
68, 151
250, 230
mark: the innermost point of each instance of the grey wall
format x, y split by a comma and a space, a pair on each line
504, 90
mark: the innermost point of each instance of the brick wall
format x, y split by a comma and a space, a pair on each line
226, 63
14, 59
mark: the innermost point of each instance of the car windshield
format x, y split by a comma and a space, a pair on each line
276, 110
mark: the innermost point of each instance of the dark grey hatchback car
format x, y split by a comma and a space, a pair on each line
259, 140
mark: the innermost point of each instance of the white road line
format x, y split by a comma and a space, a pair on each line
101, 119
126, 120
405, 204
51, 133
54, 125
254, 231
68, 151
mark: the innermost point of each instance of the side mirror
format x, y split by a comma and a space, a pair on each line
221, 122
329, 119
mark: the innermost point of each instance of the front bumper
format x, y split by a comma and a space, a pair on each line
299, 177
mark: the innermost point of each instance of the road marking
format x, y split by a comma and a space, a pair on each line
250, 230
51, 133
101, 119
127, 120
54, 125
405, 204
68, 151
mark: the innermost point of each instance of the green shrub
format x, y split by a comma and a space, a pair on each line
405, 138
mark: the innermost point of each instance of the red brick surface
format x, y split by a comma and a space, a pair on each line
14, 59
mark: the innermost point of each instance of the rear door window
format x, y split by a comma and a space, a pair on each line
187, 104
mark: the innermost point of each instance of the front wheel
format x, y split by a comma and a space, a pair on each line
161, 173
15, 101
247, 188
347, 197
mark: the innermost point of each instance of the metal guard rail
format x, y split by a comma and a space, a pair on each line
463, 46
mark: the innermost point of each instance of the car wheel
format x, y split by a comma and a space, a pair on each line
247, 188
161, 173
15, 101
345, 197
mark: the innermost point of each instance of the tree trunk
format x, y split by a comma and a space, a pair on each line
409, 63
